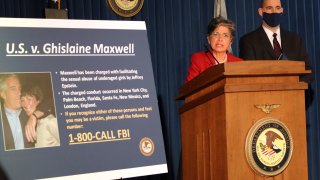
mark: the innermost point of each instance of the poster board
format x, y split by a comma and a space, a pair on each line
97, 78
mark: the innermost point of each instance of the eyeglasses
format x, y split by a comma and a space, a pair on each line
217, 35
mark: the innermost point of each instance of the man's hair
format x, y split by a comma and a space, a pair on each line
3, 79
262, 2
220, 21
33, 91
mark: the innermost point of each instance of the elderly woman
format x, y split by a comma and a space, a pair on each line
47, 127
220, 37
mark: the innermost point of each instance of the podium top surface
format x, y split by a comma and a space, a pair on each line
261, 67
244, 69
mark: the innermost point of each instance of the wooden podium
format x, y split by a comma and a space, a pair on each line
221, 107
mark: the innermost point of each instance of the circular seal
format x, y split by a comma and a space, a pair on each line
146, 146
269, 147
126, 8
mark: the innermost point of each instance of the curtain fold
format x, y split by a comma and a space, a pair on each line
176, 29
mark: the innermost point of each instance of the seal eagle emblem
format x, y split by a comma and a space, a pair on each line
146, 146
126, 8
267, 108
269, 147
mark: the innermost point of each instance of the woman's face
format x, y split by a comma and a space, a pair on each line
29, 104
220, 39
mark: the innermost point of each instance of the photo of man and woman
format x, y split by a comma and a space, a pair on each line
28, 115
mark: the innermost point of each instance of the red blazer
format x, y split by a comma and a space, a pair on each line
200, 61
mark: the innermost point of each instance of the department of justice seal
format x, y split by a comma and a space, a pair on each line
126, 8
146, 146
269, 147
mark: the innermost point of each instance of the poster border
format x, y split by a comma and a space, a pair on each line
117, 174
73, 24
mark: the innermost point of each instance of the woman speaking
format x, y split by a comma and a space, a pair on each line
220, 37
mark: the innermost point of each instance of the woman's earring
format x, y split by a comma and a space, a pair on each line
208, 40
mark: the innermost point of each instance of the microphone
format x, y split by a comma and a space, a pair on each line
282, 56
211, 54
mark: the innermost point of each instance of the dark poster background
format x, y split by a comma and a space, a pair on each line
175, 30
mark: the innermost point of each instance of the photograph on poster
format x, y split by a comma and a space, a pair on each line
28, 115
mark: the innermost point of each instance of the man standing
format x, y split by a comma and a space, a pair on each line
270, 41
13, 127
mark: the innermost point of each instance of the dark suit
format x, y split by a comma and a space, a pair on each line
8, 137
256, 46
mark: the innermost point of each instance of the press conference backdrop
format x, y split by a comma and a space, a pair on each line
175, 30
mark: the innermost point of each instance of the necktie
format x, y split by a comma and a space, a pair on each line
276, 46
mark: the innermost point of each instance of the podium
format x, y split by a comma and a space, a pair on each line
223, 104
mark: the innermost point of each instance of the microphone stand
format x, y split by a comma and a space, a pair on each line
211, 54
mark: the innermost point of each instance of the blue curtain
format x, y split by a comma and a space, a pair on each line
177, 28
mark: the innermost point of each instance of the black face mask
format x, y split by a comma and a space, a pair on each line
272, 19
